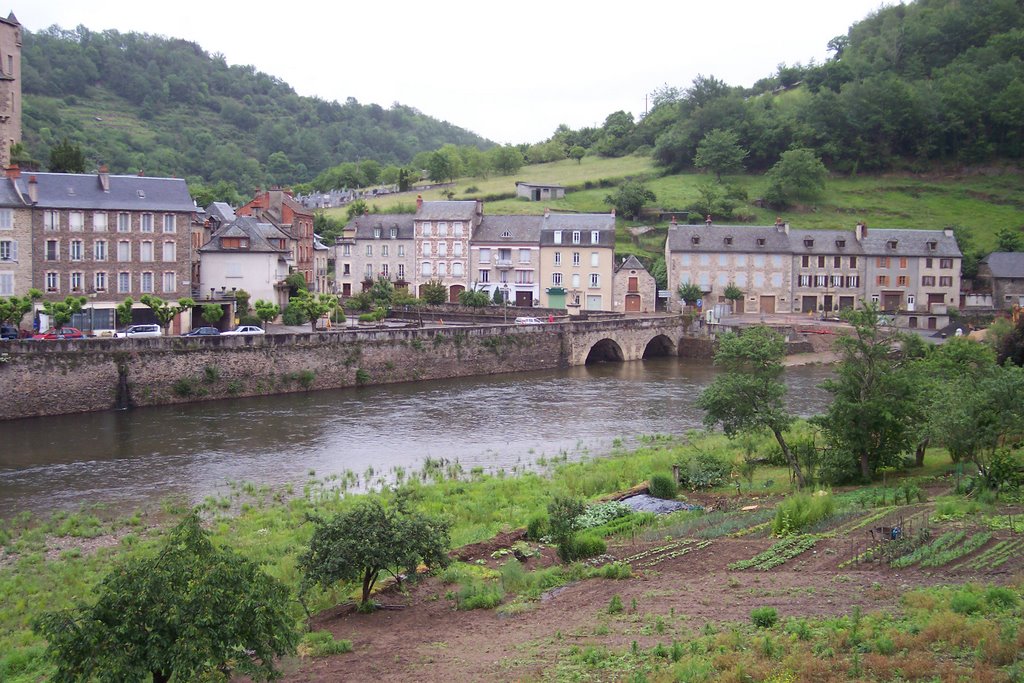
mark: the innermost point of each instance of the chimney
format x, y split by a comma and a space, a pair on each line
785, 228
104, 176
480, 208
366, 211
947, 231
33, 189
141, 173
862, 231
13, 172
419, 202
672, 223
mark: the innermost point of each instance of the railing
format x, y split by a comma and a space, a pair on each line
503, 263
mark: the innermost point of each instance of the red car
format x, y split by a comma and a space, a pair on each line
65, 333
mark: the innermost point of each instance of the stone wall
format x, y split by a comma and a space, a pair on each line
69, 376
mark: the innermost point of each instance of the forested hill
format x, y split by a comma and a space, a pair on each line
138, 101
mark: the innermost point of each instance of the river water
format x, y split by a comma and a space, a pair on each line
135, 458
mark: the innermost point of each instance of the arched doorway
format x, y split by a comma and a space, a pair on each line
453, 293
632, 303
659, 346
605, 351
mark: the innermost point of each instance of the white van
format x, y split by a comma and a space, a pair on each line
147, 330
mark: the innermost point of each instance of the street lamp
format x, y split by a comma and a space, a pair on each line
504, 301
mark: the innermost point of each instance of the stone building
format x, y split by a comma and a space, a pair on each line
539, 192
10, 87
1002, 274
376, 244
505, 256
441, 243
15, 237
634, 289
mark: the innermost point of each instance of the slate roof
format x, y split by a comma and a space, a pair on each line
910, 243
521, 228
9, 196
705, 239
825, 242
127, 192
631, 263
257, 233
528, 184
221, 211
365, 224
1005, 264
584, 222
447, 211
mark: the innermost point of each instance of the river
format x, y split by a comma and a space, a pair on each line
135, 458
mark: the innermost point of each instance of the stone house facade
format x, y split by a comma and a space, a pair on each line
10, 87
505, 256
635, 290
15, 238
377, 244
441, 234
1002, 274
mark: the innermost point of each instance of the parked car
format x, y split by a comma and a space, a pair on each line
8, 332
146, 330
527, 320
202, 332
63, 333
245, 330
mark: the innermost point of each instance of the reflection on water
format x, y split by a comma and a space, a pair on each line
137, 457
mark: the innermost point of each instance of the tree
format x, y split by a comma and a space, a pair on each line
212, 313
720, 152
266, 311
1008, 239
799, 174
242, 302
434, 292
191, 611
21, 158
690, 293
630, 198
61, 312
360, 543
165, 311
474, 298
577, 152
356, 208
124, 312
14, 308
296, 283
383, 291
747, 396
445, 164
870, 419
67, 157
506, 160
733, 293
313, 306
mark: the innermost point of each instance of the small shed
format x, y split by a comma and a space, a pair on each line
539, 192
634, 290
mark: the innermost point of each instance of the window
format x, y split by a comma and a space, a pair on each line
99, 250
929, 263
874, 298
146, 222
457, 269
170, 252
840, 243
401, 271
524, 277
346, 250
99, 222
882, 261
238, 243
484, 275
124, 250
383, 250
808, 243
883, 280
932, 245
695, 240
558, 237
485, 256
903, 262
124, 222
805, 261
425, 269
506, 234
146, 251
595, 280
76, 282
6, 284
170, 282
442, 248
945, 263
575, 236
75, 249
805, 280
6, 219
821, 261
595, 259
368, 272
820, 281
124, 283
442, 269
51, 220
945, 281
100, 280
442, 229
170, 223
558, 258
346, 269
76, 221
52, 282
457, 249
146, 283
401, 250
852, 281
575, 258
384, 269
556, 279
369, 250
426, 248
760, 241
524, 255
595, 237
393, 233
891, 244
927, 280
8, 250
837, 262
376, 233
426, 229
836, 280
457, 228
901, 280
728, 241
853, 261
575, 280
52, 250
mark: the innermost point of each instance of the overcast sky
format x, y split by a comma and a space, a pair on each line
509, 71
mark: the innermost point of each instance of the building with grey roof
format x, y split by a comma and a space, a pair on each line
505, 256
539, 192
634, 289
441, 234
250, 255
1002, 274
577, 261
374, 245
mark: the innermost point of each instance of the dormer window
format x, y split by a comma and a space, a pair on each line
840, 243
728, 241
760, 241
891, 244
695, 239
394, 233
141, 193
808, 243
932, 245
506, 235
376, 233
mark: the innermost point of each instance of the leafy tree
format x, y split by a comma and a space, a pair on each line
720, 152
266, 311
434, 292
296, 283
798, 175
242, 302
360, 543
630, 198
659, 271
577, 152
212, 313
475, 298
124, 311
972, 255
870, 419
690, 292
1008, 239
506, 160
616, 134
14, 308
165, 311
67, 157
498, 298
61, 312
191, 611
747, 396
733, 293
445, 164
356, 208
21, 158
313, 306
563, 513
382, 292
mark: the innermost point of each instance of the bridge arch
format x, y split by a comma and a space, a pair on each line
605, 351
660, 345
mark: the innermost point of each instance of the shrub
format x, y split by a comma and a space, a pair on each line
616, 571
764, 617
537, 527
293, 315
1001, 597
184, 387
662, 486
562, 514
615, 605
801, 510
479, 595
704, 471
323, 644
581, 547
965, 601
251, 320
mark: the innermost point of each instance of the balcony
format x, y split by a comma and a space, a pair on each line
503, 263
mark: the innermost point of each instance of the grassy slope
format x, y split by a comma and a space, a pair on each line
984, 203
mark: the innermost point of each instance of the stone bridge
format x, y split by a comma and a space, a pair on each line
625, 339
